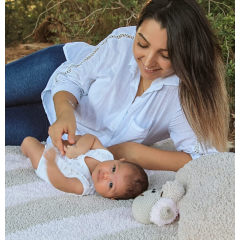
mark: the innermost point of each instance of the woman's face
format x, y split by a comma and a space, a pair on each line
150, 51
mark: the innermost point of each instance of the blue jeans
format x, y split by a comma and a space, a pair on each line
25, 79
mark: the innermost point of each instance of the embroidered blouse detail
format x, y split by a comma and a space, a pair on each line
92, 54
197, 149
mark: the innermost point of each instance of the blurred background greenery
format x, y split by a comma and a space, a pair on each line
61, 21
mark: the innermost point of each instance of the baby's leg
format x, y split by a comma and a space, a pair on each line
32, 149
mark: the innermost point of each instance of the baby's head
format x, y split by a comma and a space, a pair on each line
119, 179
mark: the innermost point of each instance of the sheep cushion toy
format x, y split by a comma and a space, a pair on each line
201, 199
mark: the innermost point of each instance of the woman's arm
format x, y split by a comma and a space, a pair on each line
72, 81
150, 158
66, 122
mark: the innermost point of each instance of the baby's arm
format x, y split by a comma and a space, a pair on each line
84, 143
57, 179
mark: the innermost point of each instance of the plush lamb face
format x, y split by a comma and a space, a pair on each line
207, 209
158, 206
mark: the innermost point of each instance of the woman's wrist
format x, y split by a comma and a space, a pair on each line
64, 101
62, 107
67, 100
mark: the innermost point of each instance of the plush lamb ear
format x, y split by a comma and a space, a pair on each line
163, 212
174, 190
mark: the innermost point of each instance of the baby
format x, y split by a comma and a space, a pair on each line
87, 167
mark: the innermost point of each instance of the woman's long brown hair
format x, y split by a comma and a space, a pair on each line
195, 55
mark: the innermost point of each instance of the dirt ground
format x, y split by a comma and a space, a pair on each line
15, 52
19, 51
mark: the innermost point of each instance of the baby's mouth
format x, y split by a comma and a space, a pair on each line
98, 175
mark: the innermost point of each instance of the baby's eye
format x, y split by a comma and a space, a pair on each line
110, 185
114, 169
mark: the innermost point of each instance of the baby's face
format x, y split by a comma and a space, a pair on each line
108, 178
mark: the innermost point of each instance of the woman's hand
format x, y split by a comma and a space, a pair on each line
65, 123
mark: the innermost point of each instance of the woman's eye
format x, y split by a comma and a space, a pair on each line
165, 57
141, 45
161, 54
110, 184
114, 169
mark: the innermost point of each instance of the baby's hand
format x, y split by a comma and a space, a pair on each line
50, 155
66, 143
71, 151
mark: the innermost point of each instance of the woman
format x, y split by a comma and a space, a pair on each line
163, 78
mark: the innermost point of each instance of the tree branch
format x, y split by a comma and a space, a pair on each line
209, 7
222, 4
97, 10
41, 15
128, 19
123, 6
227, 50
80, 8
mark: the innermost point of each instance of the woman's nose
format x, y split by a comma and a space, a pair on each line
149, 60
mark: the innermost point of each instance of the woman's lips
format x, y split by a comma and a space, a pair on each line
149, 70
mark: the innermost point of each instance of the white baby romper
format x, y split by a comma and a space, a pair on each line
76, 167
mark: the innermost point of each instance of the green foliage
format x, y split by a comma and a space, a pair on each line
222, 18
21, 17
91, 21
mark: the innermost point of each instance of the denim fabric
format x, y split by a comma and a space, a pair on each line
25, 79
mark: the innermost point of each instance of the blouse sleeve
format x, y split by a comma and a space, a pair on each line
74, 76
85, 64
77, 75
184, 138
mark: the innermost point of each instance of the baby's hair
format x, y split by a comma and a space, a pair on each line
136, 182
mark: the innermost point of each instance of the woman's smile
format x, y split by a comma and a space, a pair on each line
148, 70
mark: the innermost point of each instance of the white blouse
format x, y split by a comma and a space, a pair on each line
105, 79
